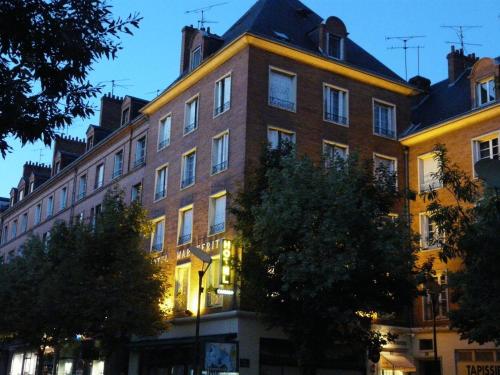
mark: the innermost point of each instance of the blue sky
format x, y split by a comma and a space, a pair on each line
149, 60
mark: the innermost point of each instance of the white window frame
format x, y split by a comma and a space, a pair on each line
115, 175
328, 86
211, 212
37, 216
82, 193
478, 92
333, 144
191, 60
141, 161
212, 166
423, 219
387, 157
183, 164
290, 74
394, 118
180, 224
420, 166
153, 234
156, 198
162, 144
24, 222
327, 46
99, 184
425, 299
280, 130
188, 287
186, 114
63, 202
216, 92
475, 147
50, 212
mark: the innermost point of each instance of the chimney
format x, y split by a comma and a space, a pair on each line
111, 112
421, 83
188, 33
458, 63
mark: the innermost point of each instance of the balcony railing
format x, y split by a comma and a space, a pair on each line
187, 181
116, 173
163, 143
217, 228
190, 127
222, 108
335, 117
157, 246
219, 167
282, 103
430, 182
385, 132
139, 161
184, 239
81, 195
160, 194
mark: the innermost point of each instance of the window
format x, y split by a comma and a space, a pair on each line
335, 105
140, 152
125, 116
158, 235
213, 283
485, 92
428, 169
5, 234
80, 217
185, 225
38, 214
191, 115
118, 165
334, 46
222, 101
135, 194
384, 119
21, 194
220, 146
425, 344
441, 310
90, 142
164, 128
188, 169
14, 229
99, 176
32, 187
50, 206
161, 183
24, 222
58, 166
82, 186
63, 198
385, 163
485, 147
429, 232
334, 152
11, 255
282, 89
217, 214
182, 274
196, 57
278, 137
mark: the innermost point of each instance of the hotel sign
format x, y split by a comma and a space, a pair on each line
225, 262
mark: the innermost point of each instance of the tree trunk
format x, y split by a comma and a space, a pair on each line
55, 360
40, 354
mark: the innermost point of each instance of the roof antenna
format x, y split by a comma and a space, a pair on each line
459, 30
157, 92
202, 21
116, 83
405, 47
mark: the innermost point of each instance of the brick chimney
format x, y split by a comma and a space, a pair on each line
458, 63
421, 83
188, 33
111, 112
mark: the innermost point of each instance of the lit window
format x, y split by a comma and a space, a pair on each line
428, 173
222, 100
429, 233
118, 165
486, 147
99, 176
217, 214
135, 194
282, 90
140, 152
334, 46
334, 152
164, 128
278, 137
158, 235
63, 198
335, 105
188, 169
181, 287
384, 119
442, 307
185, 225
50, 206
161, 183
191, 116
196, 57
24, 223
213, 283
485, 92
220, 148
82, 186
38, 214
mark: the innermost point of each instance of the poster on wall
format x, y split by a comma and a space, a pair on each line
221, 357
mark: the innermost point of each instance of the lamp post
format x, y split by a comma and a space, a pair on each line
433, 289
206, 259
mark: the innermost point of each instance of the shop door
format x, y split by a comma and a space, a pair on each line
426, 367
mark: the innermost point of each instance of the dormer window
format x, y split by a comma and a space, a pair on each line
195, 57
485, 91
32, 186
90, 142
334, 46
125, 116
21, 194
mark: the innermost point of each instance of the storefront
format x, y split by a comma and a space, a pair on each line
395, 364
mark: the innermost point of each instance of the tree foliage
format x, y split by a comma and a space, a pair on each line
320, 254
471, 228
93, 281
47, 49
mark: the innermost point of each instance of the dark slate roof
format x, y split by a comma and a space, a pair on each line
444, 101
294, 19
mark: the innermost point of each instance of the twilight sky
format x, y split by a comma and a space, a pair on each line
149, 60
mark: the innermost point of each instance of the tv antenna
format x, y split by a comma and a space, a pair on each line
405, 47
116, 83
40, 154
459, 30
202, 21
156, 92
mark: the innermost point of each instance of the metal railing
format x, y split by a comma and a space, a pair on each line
385, 132
116, 173
217, 228
160, 194
190, 127
187, 181
81, 195
282, 103
222, 108
335, 117
164, 143
139, 161
219, 167
184, 239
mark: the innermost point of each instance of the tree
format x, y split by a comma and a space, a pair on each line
94, 281
321, 256
47, 49
470, 225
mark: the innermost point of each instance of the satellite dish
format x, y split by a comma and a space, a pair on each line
489, 171
200, 254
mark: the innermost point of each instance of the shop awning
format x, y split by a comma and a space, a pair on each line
396, 362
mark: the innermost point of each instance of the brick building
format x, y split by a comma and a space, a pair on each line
185, 153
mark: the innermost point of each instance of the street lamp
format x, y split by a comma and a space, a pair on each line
433, 290
206, 259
